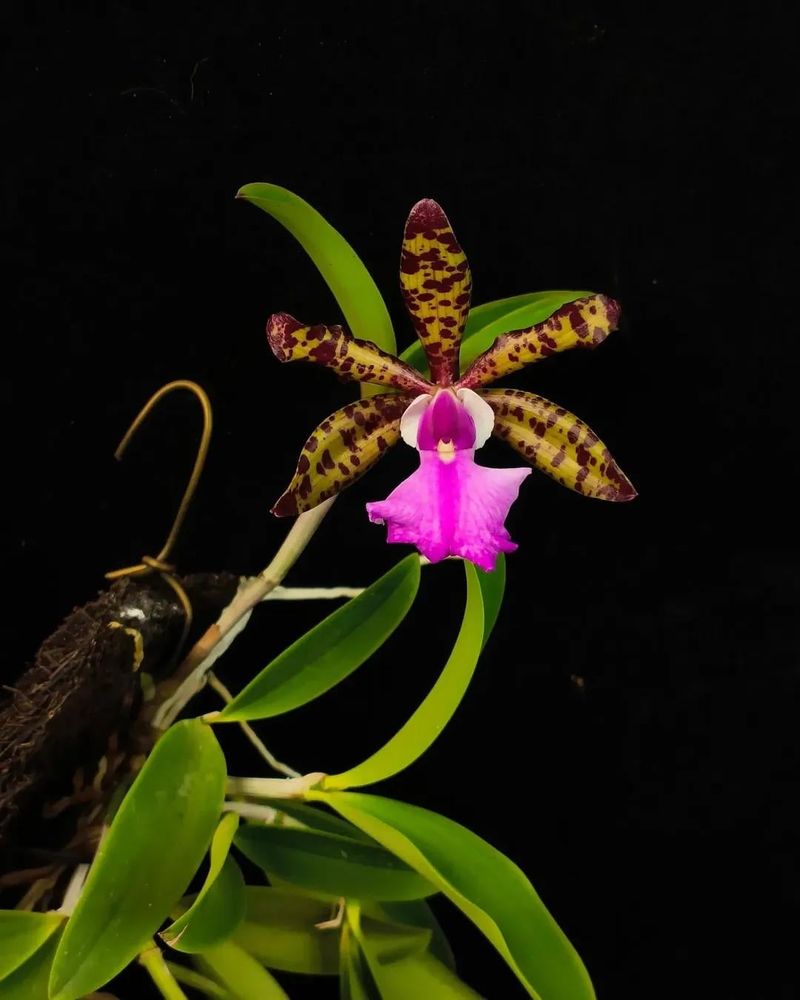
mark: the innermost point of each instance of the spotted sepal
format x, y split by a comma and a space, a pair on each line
583, 323
352, 359
343, 447
557, 443
436, 284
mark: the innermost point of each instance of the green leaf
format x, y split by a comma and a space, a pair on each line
22, 933
152, 959
493, 587
488, 321
417, 913
390, 941
436, 710
315, 818
330, 864
351, 283
154, 846
355, 981
402, 967
29, 980
400, 963
517, 313
332, 650
420, 975
280, 930
490, 889
198, 982
218, 908
239, 973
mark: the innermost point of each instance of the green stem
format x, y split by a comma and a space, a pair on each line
173, 694
197, 982
301, 533
153, 960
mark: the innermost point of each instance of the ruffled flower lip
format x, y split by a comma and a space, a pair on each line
450, 506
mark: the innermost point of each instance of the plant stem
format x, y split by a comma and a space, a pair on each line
173, 694
197, 982
295, 542
250, 733
153, 960
312, 593
267, 815
274, 788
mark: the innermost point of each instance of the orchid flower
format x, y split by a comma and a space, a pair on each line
450, 505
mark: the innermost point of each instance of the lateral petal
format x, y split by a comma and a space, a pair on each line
436, 284
558, 444
331, 346
583, 323
343, 447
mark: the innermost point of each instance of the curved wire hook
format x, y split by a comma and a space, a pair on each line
159, 563
149, 563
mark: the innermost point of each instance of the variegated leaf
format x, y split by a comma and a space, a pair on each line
557, 443
583, 323
341, 449
352, 359
436, 284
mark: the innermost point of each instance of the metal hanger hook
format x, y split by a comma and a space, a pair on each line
159, 563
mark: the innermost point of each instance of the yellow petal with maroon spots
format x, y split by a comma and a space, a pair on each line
356, 360
436, 284
557, 443
341, 449
583, 323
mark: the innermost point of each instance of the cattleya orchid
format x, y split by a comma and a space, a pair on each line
450, 505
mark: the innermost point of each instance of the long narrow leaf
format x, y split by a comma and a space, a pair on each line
355, 982
329, 864
155, 844
489, 888
402, 965
493, 586
314, 818
21, 934
416, 912
219, 907
241, 975
29, 980
280, 930
330, 651
436, 710
351, 283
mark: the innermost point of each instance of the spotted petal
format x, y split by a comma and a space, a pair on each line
341, 450
356, 360
557, 443
583, 323
436, 284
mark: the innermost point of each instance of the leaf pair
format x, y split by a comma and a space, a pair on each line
343, 641
437, 854
489, 888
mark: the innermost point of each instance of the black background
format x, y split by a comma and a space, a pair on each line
652, 802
